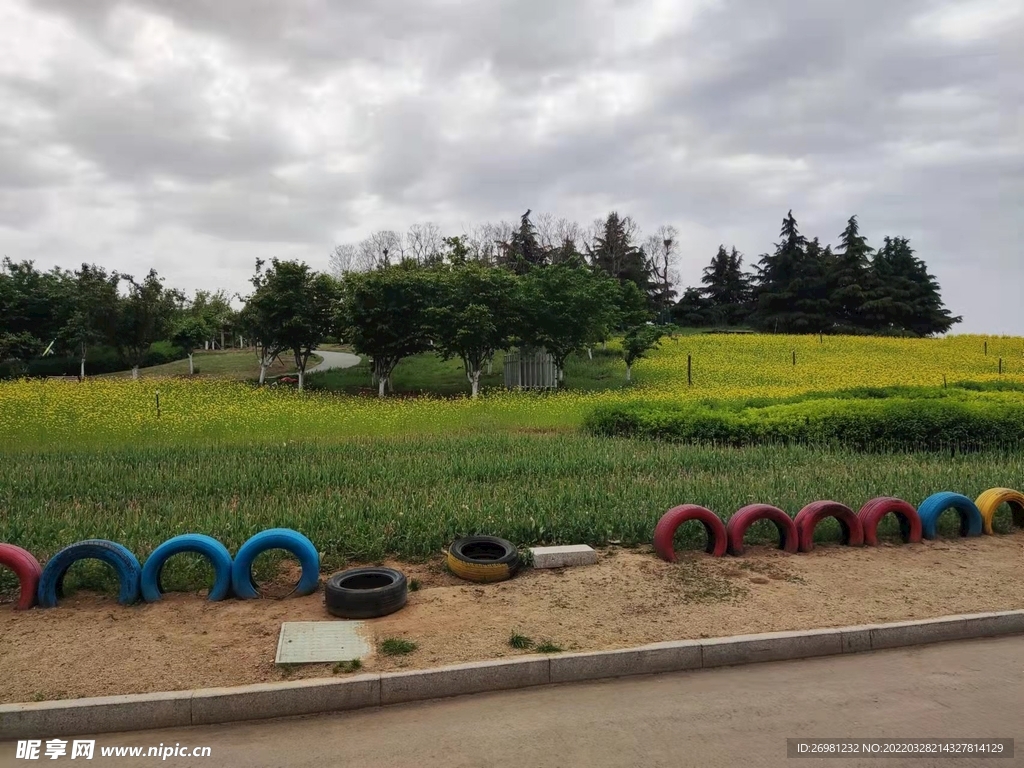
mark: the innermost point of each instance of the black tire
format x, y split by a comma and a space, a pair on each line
365, 593
483, 558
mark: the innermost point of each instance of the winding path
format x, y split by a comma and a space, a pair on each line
333, 360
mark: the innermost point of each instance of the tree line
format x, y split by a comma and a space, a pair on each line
804, 287
549, 284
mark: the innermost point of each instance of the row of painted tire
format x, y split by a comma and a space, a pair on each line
43, 585
796, 534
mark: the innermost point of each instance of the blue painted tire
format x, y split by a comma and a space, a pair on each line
275, 538
124, 563
971, 522
207, 546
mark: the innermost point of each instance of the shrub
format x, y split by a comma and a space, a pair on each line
869, 423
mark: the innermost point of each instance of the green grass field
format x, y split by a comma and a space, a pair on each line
366, 478
365, 499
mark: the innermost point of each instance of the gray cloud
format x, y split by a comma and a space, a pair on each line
197, 136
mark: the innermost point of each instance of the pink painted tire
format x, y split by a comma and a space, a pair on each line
738, 524
665, 530
873, 511
807, 520
27, 569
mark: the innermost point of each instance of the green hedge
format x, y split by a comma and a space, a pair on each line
962, 421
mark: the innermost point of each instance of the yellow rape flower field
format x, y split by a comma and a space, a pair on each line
42, 414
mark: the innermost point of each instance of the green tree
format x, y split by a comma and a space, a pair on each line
637, 343
143, 317
791, 294
850, 280
385, 315
93, 311
692, 310
525, 252
616, 254
565, 309
293, 309
259, 321
473, 315
906, 298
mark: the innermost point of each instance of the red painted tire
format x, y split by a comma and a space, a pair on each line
665, 530
807, 520
876, 509
26, 568
750, 514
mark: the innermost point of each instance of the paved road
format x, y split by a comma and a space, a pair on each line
726, 717
332, 360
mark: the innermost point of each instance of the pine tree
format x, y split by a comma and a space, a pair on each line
524, 251
906, 297
616, 254
850, 281
792, 293
726, 289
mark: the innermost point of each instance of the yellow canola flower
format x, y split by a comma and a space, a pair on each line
45, 414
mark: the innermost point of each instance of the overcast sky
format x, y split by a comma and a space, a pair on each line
195, 136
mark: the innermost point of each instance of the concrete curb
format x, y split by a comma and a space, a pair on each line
111, 714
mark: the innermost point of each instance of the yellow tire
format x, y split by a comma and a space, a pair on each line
990, 501
483, 559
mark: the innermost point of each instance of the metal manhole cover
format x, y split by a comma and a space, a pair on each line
309, 642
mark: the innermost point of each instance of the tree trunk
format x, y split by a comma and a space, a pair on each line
629, 372
191, 367
561, 373
474, 381
381, 381
263, 372
135, 371
81, 370
302, 377
206, 346
604, 345
590, 352
222, 339
490, 363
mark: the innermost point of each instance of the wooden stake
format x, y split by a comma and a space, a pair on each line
689, 370
794, 357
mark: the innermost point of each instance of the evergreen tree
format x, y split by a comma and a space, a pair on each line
525, 252
791, 291
615, 254
726, 289
851, 281
906, 297
691, 310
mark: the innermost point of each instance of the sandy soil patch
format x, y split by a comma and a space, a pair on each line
90, 646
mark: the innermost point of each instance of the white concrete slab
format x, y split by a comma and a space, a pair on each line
563, 557
310, 642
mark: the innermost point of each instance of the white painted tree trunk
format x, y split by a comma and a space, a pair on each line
81, 370
135, 371
380, 386
561, 374
263, 372
474, 382
590, 352
191, 366
302, 378
629, 373
206, 345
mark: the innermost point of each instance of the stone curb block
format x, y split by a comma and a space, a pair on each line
676, 656
134, 712
963, 627
773, 646
269, 700
476, 677
563, 557
266, 700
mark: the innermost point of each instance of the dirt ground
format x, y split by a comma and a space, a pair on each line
90, 646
